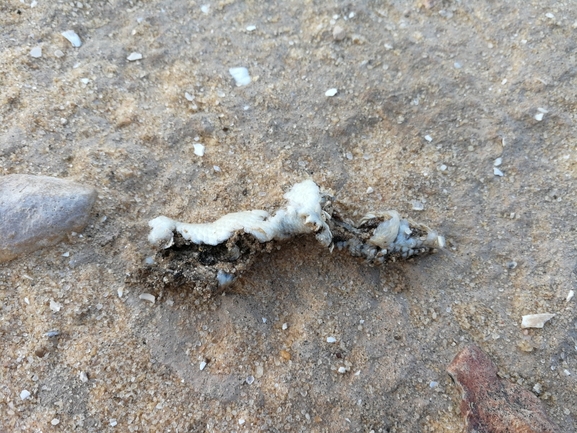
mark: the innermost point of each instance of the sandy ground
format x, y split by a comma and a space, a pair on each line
430, 94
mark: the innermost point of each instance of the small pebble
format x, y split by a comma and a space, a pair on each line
497, 172
73, 38
331, 92
58, 54
539, 116
285, 355
250, 28
370, 190
134, 56
342, 370
205, 9
55, 306
241, 421
240, 75
417, 205
428, 138
38, 211
250, 380
339, 33
113, 422
457, 65
498, 162
83, 377
202, 365
36, 52
433, 384
188, 96
198, 149
55, 421
24, 394
284, 326
570, 295
331, 340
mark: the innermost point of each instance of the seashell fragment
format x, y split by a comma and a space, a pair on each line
536, 320
73, 38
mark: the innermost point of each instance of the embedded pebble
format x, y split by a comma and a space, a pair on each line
417, 205
202, 365
250, 380
284, 326
342, 370
83, 377
73, 38
497, 172
536, 320
331, 340
55, 421
134, 56
198, 149
428, 138
24, 394
250, 28
285, 355
39, 211
240, 75
36, 52
339, 33
498, 162
331, 92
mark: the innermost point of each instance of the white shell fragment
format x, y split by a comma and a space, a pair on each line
331, 92
240, 75
570, 295
134, 56
73, 38
536, 320
147, 297
202, 365
36, 52
198, 149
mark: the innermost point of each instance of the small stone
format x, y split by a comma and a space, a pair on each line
339, 33
55, 306
342, 370
39, 211
250, 380
497, 172
536, 320
24, 394
55, 421
331, 92
134, 56
58, 54
202, 365
331, 340
240, 75
428, 138
285, 355
83, 377
498, 162
417, 205
36, 52
250, 28
198, 149
491, 404
113, 422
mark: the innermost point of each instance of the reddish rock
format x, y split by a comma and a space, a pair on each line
493, 405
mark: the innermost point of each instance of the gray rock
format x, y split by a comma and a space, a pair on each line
38, 211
